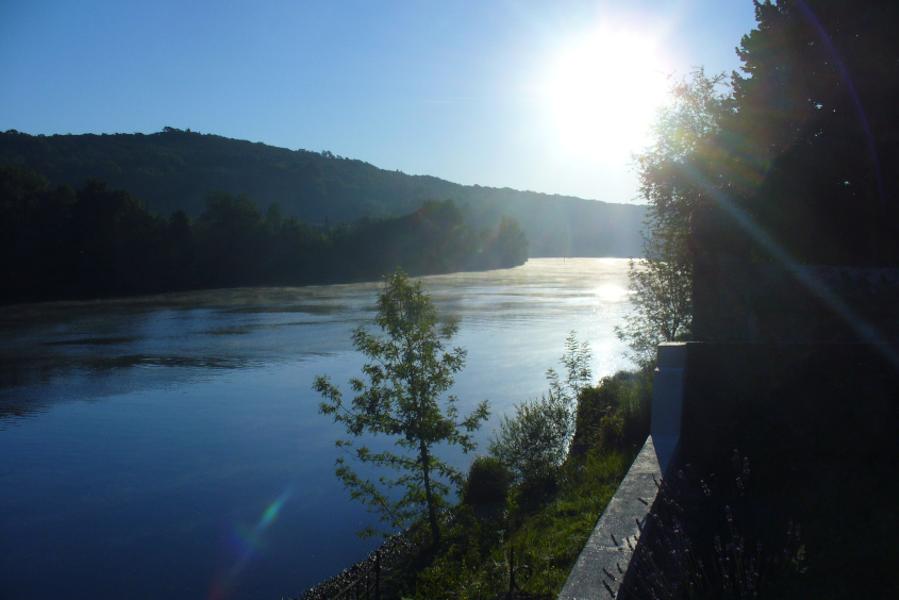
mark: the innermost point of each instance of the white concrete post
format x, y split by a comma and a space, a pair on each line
668, 401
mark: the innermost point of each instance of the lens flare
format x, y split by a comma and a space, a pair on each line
805, 277
246, 543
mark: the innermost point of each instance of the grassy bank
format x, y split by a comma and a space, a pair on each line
528, 549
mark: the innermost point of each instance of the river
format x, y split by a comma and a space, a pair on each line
170, 446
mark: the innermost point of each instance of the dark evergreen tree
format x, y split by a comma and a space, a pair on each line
814, 140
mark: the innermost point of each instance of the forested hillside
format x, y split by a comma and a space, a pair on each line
58, 242
177, 170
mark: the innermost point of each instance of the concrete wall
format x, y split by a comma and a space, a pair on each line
602, 566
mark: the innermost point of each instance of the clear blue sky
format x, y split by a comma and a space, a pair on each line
428, 87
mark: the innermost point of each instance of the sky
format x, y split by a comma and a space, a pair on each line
474, 92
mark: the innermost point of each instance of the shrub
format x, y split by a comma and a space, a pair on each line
533, 442
613, 415
611, 430
488, 483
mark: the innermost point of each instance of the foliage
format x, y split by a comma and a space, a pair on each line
528, 547
407, 373
176, 170
812, 136
539, 548
534, 441
508, 246
576, 361
547, 539
661, 296
672, 172
792, 167
614, 415
61, 243
487, 484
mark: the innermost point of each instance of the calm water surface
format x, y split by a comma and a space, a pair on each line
170, 446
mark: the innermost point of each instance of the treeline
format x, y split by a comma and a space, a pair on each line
176, 169
59, 242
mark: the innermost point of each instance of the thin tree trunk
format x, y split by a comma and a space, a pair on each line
429, 498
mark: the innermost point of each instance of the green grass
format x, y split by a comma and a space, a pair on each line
549, 541
543, 542
537, 537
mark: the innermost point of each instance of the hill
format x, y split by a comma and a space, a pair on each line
176, 169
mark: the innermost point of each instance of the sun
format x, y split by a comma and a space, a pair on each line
602, 92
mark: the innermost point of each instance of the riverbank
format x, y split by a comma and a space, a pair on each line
524, 546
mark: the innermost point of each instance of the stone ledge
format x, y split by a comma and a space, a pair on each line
603, 562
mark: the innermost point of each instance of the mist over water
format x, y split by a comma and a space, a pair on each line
171, 446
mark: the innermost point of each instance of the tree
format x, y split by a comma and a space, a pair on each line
814, 128
674, 174
230, 233
505, 247
405, 377
533, 441
578, 373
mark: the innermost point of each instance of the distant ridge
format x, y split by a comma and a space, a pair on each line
176, 169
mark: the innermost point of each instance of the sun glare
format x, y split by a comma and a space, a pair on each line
602, 93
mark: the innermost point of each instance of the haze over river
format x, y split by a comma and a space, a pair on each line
171, 447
